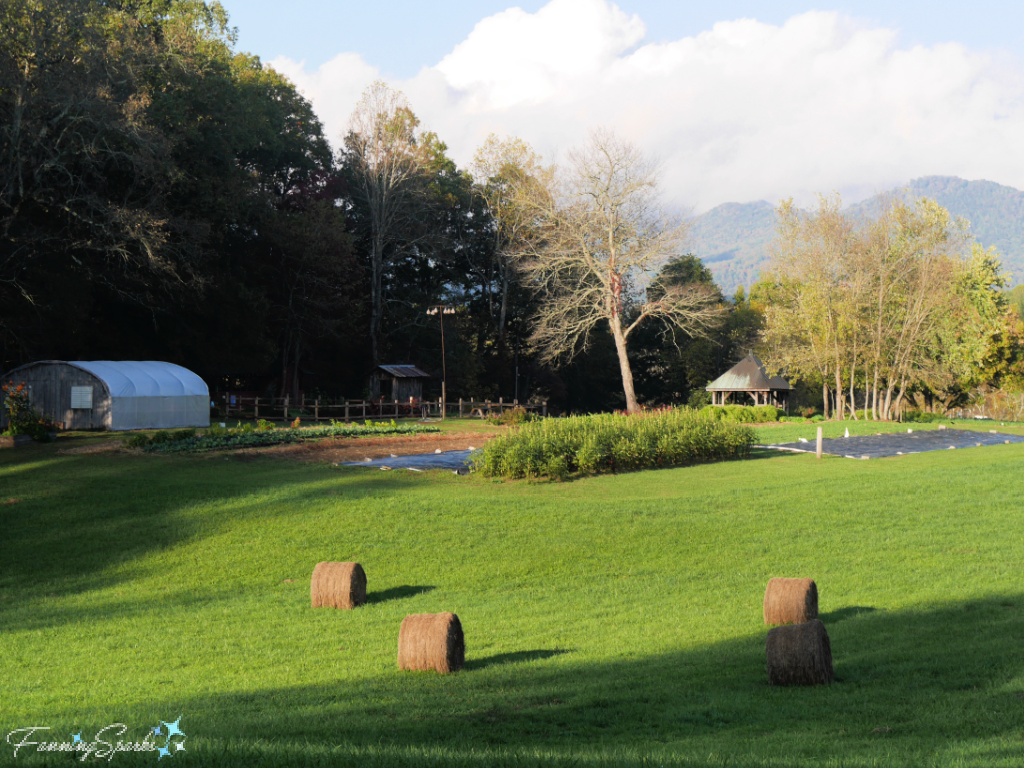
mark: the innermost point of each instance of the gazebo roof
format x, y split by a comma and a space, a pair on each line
748, 375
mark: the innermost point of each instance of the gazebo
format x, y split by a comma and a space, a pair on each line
749, 377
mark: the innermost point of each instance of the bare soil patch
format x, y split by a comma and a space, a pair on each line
359, 448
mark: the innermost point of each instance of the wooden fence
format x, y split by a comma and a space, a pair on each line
320, 409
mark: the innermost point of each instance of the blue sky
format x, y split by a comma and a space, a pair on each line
402, 37
739, 100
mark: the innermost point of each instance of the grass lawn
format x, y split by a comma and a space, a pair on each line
613, 620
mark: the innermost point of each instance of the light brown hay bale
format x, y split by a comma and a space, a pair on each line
431, 641
790, 601
337, 585
799, 654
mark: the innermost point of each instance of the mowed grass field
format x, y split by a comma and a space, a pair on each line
613, 620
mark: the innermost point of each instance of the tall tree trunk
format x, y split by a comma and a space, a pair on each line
824, 398
295, 365
376, 300
627, 373
840, 405
874, 396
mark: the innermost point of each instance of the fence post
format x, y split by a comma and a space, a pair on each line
501, 406
460, 407
346, 410
256, 407
819, 442
227, 405
316, 410
545, 408
396, 409
284, 408
364, 410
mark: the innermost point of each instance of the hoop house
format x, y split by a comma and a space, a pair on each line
117, 395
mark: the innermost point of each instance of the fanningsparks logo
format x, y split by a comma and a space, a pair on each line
105, 745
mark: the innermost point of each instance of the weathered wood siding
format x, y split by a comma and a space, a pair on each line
50, 394
403, 389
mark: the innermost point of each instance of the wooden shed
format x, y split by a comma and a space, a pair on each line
397, 382
116, 395
749, 378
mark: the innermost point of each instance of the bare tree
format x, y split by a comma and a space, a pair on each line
603, 234
386, 161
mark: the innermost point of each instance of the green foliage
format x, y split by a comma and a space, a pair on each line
264, 426
248, 436
611, 442
22, 417
512, 417
924, 417
750, 414
137, 441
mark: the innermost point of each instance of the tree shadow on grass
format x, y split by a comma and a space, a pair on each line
845, 613
398, 593
909, 683
79, 517
514, 658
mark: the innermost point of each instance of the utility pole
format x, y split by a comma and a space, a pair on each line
442, 309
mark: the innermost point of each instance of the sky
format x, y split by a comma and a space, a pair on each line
740, 101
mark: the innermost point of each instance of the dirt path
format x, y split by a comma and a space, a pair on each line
359, 448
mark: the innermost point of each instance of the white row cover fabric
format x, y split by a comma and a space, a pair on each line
151, 395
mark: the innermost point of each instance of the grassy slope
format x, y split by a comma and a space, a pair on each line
607, 620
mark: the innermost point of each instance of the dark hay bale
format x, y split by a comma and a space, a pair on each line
431, 641
790, 601
799, 654
337, 585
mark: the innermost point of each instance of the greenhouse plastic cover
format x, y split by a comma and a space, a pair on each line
152, 394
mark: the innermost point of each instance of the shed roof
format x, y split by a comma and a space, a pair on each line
404, 371
147, 378
748, 375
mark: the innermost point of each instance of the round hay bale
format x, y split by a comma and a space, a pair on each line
799, 654
431, 641
790, 601
337, 585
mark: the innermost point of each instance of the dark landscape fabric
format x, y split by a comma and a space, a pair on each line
446, 460
900, 443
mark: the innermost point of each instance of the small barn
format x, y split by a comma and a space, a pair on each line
117, 395
397, 382
749, 378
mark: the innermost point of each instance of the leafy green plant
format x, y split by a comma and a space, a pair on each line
559, 448
137, 441
513, 416
265, 426
748, 414
924, 417
253, 437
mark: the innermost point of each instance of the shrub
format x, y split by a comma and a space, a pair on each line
749, 414
263, 426
159, 438
924, 417
513, 416
559, 448
137, 441
182, 434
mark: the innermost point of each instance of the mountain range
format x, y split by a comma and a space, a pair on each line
733, 238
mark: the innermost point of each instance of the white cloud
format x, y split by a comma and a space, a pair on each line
743, 111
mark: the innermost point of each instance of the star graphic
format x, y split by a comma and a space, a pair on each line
172, 728
164, 752
157, 731
179, 746
77, 737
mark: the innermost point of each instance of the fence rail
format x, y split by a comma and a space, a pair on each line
321, 409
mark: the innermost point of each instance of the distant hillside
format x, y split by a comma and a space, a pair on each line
732, 238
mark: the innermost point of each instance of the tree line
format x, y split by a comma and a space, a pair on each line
165, 196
